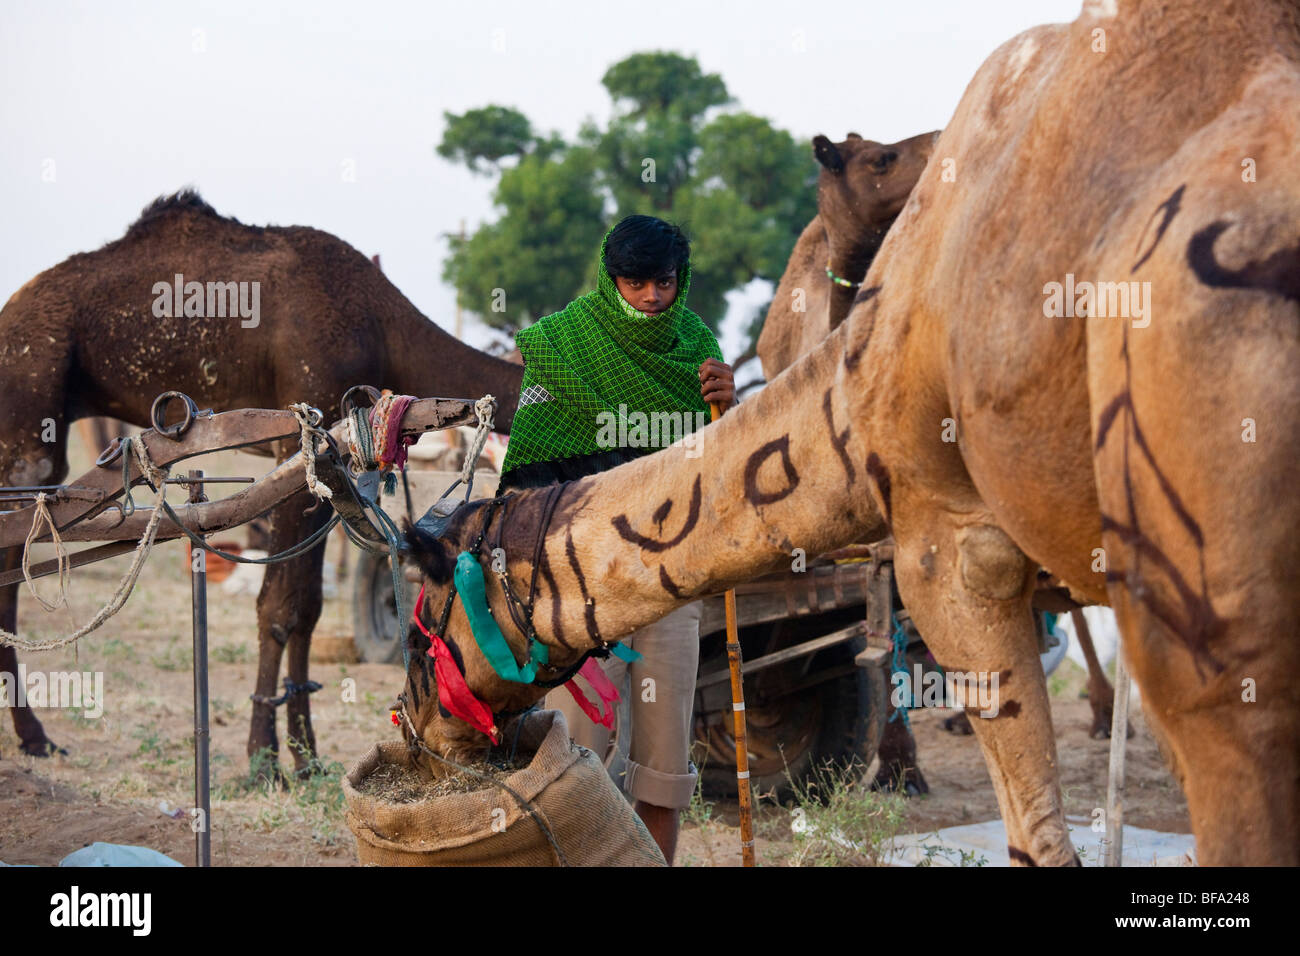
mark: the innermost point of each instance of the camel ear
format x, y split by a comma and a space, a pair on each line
827, 154
430, 553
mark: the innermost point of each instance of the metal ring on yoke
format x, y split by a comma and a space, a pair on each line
174, 432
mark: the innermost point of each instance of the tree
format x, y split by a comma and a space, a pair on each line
740, 188
485, 135
542, 251
656, 83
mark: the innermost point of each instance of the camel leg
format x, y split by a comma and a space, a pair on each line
897, 752
31, 735
29, 460
1101, 696
287, 610
1203, 571
968, 587
345, 553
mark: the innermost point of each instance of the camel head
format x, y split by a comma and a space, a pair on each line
864, 184
436, 551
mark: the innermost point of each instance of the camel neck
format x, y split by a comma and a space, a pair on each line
426, 361
851, 261
772, 481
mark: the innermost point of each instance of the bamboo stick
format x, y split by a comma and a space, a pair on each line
738, 710
1118, 742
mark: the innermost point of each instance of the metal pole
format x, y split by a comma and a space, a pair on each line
1118, 741
738, 709
199, 595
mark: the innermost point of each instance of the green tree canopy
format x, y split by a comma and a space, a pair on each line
740, 188
656, 83
485, 135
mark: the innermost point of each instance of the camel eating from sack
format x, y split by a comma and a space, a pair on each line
235, 316
1144, 148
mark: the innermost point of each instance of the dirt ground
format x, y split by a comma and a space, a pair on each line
127, 772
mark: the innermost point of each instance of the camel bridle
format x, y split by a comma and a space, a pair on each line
521, 612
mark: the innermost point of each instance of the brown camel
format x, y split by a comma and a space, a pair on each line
91, 337
861, 189
860, 192
1148, 144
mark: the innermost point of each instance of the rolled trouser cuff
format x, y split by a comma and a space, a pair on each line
671, 790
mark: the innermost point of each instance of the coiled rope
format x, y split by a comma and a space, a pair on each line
309, 421
155, 476
42, 517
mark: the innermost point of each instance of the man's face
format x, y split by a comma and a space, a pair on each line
651, 296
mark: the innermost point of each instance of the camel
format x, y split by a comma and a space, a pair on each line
861, 189
1144, 142
91, 337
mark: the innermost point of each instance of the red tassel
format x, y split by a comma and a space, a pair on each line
453, 692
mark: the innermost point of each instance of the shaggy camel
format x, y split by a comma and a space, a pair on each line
305, 317
860, 192
1145, 142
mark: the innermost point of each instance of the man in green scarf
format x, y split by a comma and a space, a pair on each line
621, 372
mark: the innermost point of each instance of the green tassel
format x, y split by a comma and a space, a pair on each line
625, 653
473, 593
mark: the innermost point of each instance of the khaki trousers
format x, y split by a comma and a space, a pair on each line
650, 758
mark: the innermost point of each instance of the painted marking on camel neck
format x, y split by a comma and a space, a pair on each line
777, 446
626, 532
1279, 273
1170, 208
839, 440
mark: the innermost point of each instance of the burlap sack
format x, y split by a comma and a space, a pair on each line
590, 819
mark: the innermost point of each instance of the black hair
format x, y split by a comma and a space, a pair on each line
643, 247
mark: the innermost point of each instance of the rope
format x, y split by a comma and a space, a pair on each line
315, 538
127, 584
484, 408
897, 664
524, 804
308, 423
154, 475
291, 689
360, 443
309, 427
42, 517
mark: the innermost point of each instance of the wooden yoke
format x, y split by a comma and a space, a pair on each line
78, 508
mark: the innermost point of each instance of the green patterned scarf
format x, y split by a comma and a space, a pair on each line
600, 374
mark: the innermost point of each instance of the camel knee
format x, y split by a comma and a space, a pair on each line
31, 469
990, 563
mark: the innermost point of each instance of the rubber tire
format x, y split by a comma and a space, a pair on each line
374, 614
852, 723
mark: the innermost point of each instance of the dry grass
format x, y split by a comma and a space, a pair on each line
394, 783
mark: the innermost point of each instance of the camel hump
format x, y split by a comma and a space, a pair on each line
185, 201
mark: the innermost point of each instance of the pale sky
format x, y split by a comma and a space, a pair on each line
266, 107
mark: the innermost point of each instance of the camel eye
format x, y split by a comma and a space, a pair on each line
882, 161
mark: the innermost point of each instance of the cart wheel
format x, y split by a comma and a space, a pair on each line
840, 720
374, 612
